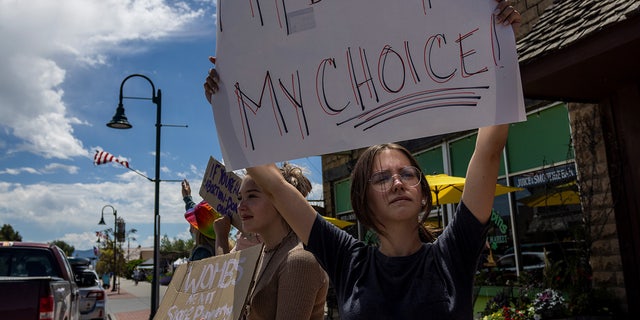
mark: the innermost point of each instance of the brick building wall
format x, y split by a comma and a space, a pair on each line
331, 161
596, 198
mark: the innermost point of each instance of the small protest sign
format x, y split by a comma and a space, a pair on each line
212, 288
220, 188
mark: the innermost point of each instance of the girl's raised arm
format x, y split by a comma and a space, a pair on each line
293, 207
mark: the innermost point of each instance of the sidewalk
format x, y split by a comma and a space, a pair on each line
133, 302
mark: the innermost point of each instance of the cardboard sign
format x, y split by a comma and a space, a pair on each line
212, 288
220, 188
301, 78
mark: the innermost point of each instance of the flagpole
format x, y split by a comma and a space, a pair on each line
152, 180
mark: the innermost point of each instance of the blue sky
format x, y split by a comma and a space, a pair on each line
61, 65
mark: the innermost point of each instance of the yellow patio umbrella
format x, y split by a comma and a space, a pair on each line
441, 183
565, 194
448, 189
337, 222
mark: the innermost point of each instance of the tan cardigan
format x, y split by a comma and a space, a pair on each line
293, 286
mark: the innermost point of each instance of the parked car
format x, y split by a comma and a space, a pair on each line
532, 263
93, 298
36, 282
555, 250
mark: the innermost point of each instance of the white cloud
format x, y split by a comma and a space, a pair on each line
316, 193
39, 211
80, 241
17, 171
44, 43
43, 38
31, 105
50, 168
54, 167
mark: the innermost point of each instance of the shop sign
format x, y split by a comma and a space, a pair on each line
502, 227
542, 177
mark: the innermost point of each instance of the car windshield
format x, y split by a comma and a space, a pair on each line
27, 263
86, 279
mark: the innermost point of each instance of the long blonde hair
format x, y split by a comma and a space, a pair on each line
201, 239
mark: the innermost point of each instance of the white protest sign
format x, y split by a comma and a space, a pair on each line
212, 288
220, 188
300, 78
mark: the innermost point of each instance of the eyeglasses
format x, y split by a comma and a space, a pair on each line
383, 180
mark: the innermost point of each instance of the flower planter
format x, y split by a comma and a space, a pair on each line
486, 293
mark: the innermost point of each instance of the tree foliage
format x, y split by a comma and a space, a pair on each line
176, 248
130, 266
106, 259
8, 234
67, 248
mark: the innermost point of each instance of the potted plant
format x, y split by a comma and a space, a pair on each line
549, 304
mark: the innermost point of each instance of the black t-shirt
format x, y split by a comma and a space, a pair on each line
434, 283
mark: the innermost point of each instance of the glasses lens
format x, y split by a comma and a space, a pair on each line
410, 176
383, 180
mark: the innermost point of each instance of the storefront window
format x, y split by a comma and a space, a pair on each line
550, 207
500, 235
547, 211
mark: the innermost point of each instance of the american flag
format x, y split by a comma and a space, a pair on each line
102, 157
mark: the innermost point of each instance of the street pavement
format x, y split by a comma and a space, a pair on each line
133, 302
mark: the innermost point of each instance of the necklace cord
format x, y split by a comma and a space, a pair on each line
275, 249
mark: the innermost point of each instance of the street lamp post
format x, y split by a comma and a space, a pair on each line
115, 256
120, 121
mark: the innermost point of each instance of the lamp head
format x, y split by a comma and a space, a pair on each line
102, 221
119, 120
